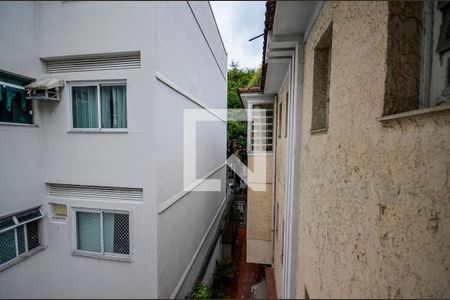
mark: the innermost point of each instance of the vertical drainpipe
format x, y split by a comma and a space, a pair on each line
292, 192
274, 170
287, 198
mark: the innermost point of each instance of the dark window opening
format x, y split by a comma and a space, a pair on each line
321, 81
33, 235
444, 35
404, 57
286, 117
14, 107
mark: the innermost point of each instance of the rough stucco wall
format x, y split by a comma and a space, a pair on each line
280, 176
374, 213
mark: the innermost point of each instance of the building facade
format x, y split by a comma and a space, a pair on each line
93, 202
362, 176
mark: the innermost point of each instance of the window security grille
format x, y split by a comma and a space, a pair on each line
262, 128
19, 234
102, 233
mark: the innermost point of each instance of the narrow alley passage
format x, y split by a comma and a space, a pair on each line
247, 274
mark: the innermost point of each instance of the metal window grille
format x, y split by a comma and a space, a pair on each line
262, 128
103, 232
19, 234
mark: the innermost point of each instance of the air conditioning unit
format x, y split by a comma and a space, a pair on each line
45, 90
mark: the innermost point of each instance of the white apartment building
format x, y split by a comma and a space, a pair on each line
92, 198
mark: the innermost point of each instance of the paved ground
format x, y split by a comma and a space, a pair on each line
271, 292
247, 274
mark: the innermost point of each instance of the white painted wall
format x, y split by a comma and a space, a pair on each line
21, 17
34, 156
206, 65
147, 156
216, 257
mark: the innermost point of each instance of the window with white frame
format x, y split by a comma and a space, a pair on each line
102, 232
19, 235
99, 105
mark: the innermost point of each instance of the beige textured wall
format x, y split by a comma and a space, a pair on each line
259, 251
280, 182
259, 213
374, 213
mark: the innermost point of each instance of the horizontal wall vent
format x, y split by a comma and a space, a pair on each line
84, 63
95, 192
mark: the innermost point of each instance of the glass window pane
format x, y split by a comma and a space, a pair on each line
28, 215
88, 231
114, 106
116, 233
14, 107
6, 222
21, 239
84, 107
7, 246
108, 232
33, 235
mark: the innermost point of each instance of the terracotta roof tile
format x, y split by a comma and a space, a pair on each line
255, 89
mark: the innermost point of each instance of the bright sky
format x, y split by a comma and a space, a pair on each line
238, 22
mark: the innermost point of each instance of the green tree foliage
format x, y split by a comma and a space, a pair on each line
224, 271
256, 78
201, 291
239, 78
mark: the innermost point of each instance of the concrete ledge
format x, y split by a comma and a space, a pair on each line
104, 130
319, 131
416, 112
18, 124
103, 256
